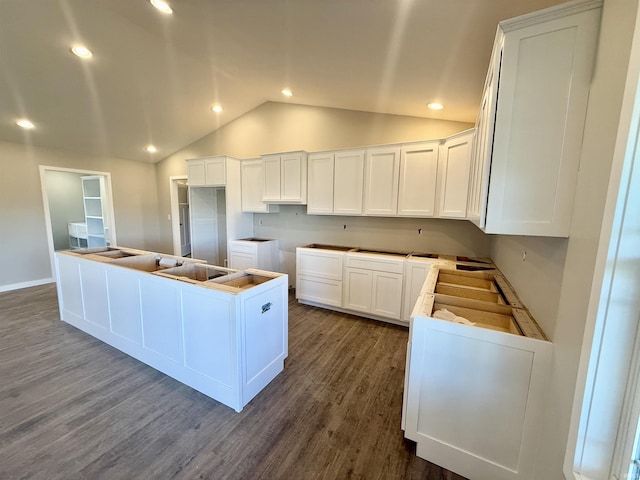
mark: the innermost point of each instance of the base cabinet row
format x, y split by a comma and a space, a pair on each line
373, 285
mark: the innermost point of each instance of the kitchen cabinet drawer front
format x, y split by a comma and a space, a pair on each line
320, 264
244, 247
242, 261
379, 263
321, 290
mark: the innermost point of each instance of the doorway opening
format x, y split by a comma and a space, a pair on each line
180, 223
78, 207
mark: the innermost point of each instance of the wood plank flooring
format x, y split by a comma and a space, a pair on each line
72, 407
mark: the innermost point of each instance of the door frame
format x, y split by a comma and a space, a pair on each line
47, 213
175, 213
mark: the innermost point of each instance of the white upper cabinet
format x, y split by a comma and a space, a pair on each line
418, 179
544, 63
453, 179
335, 182
285, 178
207, 172
381, 173
347, 182
320, 183
252, 178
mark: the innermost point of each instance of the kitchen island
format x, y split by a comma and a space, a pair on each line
221, 331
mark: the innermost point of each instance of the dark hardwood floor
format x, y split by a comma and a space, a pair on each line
72, 407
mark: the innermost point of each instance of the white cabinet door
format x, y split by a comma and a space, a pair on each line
209, 172
215, 171
454, 166
386, 294
483, 145
196, 173
382, 169
348, 182
357, 289
271, 178
285, 177
320, 183
293, 181
544, 88
418, 179
415, 273
204, 225
252, 180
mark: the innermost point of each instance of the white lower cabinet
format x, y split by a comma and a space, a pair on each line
373, 284
260, 253
319, 276
415, 273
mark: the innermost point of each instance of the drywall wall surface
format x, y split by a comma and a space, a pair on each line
24, 252
575, 279
66, 204
294, 228
534, 267
280, 127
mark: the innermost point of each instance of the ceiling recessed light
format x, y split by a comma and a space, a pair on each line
287, 93
161, 5
151, 149
216, 108
435, 106
24, 123
81, 51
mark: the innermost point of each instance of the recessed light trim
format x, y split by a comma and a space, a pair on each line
161, 5
286, 92
151, 149
24, 123
435, 106
81, 51
217, 108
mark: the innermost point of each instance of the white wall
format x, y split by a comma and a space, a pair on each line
64, 192
540, 280
280, 127
293, 228
24, 253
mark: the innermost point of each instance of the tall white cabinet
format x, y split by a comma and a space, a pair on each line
526, 160
215, 197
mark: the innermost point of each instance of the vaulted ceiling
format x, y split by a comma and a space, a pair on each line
153, 77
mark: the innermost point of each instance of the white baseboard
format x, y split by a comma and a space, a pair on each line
33, 283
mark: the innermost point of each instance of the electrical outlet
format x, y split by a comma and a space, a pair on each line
169, 216
524, 255
419, 231
260, 222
